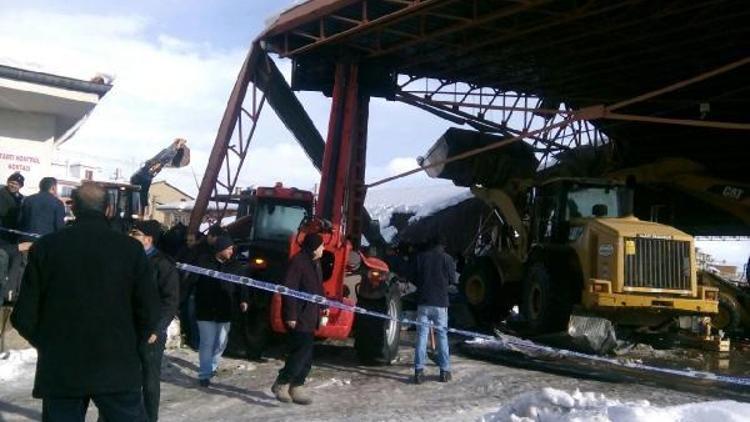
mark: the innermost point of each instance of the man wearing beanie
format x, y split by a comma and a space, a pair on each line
168, 283
301, 318
188, 323
214, 301
10, 205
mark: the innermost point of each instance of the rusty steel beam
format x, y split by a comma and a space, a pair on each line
681, 84
438, 97
678, 122
260, 78
409, 99
547, 24
479, 20
503, 108
584, 79
366, 25
223, 137
577, 116
562, 41
564, 138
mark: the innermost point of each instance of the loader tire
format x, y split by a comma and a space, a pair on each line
728, 318
480, 284
376, 340
546, 302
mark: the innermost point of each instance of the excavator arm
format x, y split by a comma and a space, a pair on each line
177, 154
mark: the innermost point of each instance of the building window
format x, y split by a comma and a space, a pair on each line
89, 175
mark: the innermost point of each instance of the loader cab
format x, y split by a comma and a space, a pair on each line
554, 205
123, 204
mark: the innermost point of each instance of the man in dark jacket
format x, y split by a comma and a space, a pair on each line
87, 302
168, 283
43, 212
10, 205
301, 318
435, 271
202, 248
214, 300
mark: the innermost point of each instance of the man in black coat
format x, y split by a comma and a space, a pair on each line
42, 213
87, 303
10, 205
168, 283
214, 300
302, 319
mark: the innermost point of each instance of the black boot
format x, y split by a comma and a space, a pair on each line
445, 376
418, 376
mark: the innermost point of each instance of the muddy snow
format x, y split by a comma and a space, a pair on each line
344, 390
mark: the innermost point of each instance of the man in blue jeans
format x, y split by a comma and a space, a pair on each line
435, 271
214, 300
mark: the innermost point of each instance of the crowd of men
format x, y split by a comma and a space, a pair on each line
96, 304
41, 213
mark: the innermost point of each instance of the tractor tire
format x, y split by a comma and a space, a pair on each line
376, 340
728, 319
480, 284
546, 302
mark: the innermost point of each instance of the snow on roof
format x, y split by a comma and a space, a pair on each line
554, 405
421, 201
271, 20
224, 222
188, 206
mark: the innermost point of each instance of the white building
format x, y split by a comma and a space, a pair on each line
39, 112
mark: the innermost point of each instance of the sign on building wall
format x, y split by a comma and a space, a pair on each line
19, 162
32, 159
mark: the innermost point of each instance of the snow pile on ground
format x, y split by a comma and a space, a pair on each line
421, 201
15, 363
552, 405
174, 338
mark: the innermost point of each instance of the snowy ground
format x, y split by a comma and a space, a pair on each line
346, 391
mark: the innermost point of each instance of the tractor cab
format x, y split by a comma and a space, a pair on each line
555, 204
267, 217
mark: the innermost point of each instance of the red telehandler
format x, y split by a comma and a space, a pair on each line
339, 215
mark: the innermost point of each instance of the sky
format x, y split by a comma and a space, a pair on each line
174, 64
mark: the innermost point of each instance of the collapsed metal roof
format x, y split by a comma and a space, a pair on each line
468, 59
